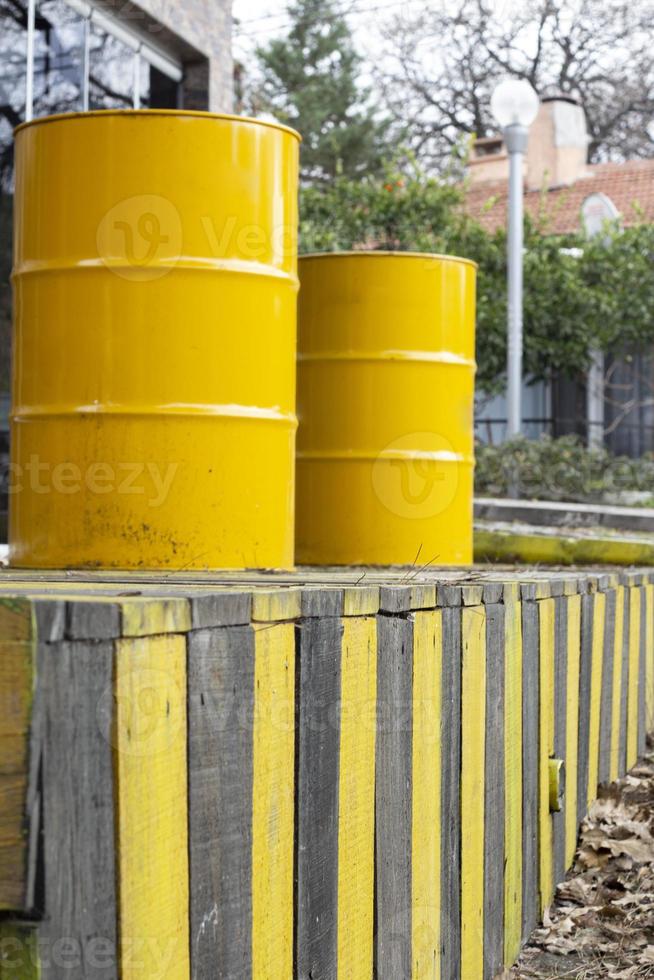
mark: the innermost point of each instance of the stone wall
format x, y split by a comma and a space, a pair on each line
198, 32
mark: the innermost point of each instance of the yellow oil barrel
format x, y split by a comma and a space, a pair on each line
155, 281
385, 404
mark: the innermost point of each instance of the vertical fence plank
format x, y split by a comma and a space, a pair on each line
220, 711
151, 781
597, 656
80, 859
356, 795
273, 801
642, 674
616, 701
319, 691
546, 748
394, 790
585, 672
649, 656
512, 774
473, 732
494, 791
606, 707
451, 792
560, 733
572, 725
426, 816
17, 657
624, 687
634, 676
530, 760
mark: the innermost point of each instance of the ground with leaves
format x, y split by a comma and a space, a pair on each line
601, 925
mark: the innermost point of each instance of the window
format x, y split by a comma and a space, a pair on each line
13, 74
58, 58
111, 71
68, 55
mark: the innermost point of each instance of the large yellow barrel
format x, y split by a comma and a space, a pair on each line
155, 282
385, 403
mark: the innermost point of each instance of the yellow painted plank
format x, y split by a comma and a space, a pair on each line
151, 790
356, 806
473, 734
273, 801
426, 810
649, 655
273, 605
19, 951
634, 676
361, 600
617, 682
17, 666
513, 780
572, 726
546, 751
597, 656
143, 616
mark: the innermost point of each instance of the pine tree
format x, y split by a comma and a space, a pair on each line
310, 82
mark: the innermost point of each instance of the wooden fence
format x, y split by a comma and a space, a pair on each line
327, 782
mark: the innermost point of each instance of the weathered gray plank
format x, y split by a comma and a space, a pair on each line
75, 699
50, 619
393, 797
493, 592
318, 690
606, 705
322, 602
451, 788
91, 620
209, 609
494, 793
220, 772
530, 756
395, 598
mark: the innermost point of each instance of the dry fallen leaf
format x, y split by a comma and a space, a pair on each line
601, 924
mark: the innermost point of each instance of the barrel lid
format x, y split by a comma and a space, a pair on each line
368, 253
146, 113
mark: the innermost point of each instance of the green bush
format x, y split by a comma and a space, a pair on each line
559, 469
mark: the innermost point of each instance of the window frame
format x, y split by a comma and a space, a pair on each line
92, 15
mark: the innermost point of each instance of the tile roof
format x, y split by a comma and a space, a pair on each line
629, 185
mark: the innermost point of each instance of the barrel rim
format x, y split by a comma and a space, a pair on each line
144, 113
386, 253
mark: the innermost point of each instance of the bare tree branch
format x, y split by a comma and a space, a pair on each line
440, 68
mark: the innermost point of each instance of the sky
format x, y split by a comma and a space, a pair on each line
255, 21
260, 20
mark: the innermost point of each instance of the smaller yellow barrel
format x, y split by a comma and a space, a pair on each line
386, 409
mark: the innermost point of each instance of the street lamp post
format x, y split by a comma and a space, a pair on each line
514, 105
